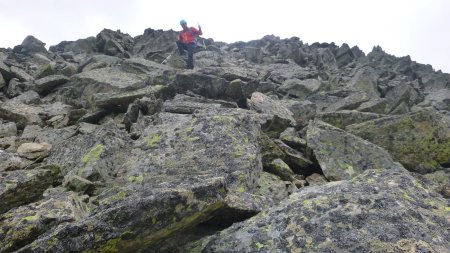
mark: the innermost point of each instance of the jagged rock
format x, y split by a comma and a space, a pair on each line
208, 86
292, 139
154, 43
45, 70
32, 151
365, 80
376, 211
420, 140
299, 88
342, 155
377, 105
45, 85
114, 43
123, 99
15, 88
303, 111
439, 99
343, 118
78, 184
280, 168
400, 94
278, 116
77, 47
297, 160
23, 186
31, 45
21, 74
350, 102
98, 62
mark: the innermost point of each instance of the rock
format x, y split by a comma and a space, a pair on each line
44, 85
29, 97
343, 118
24, 224
278, 116
299, 88
189, 104
280, 168
8, 129
31, 45
205, 85
303, 111
32, 151
316, 179
78, 184
21, 114
378, 210
114, 43
123, 99
89, 83
9, 162
292, 139
23, 186
342, 155
420, 140
21, 74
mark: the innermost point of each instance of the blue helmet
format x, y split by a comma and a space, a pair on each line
183, 22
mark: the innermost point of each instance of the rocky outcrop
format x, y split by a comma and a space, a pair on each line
107, 144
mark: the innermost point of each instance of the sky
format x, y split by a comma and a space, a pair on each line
418, 28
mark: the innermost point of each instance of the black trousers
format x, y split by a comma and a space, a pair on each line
190, 48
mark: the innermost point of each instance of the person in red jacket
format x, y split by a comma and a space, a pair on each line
187, 41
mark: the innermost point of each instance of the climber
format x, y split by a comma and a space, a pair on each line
187, 41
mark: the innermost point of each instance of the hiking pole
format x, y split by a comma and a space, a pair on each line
167, 58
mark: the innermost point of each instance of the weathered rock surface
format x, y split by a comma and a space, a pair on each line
342, 155
376, 211
420, 141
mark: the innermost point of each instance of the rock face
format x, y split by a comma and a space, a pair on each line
376, 211
107, 144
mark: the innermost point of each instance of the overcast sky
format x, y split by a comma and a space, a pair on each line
419, 28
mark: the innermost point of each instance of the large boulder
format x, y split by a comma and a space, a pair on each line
177, 174
377, 211
81, 88
342, 155
420, 140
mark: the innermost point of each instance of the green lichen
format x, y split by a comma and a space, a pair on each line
259, 245
156, 138
94, 154
31, 218
240, 189
407, 197
136, 179
111, 246
119, 196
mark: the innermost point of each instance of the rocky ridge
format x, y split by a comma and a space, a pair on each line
107, 144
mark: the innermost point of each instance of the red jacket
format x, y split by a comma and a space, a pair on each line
188, 36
